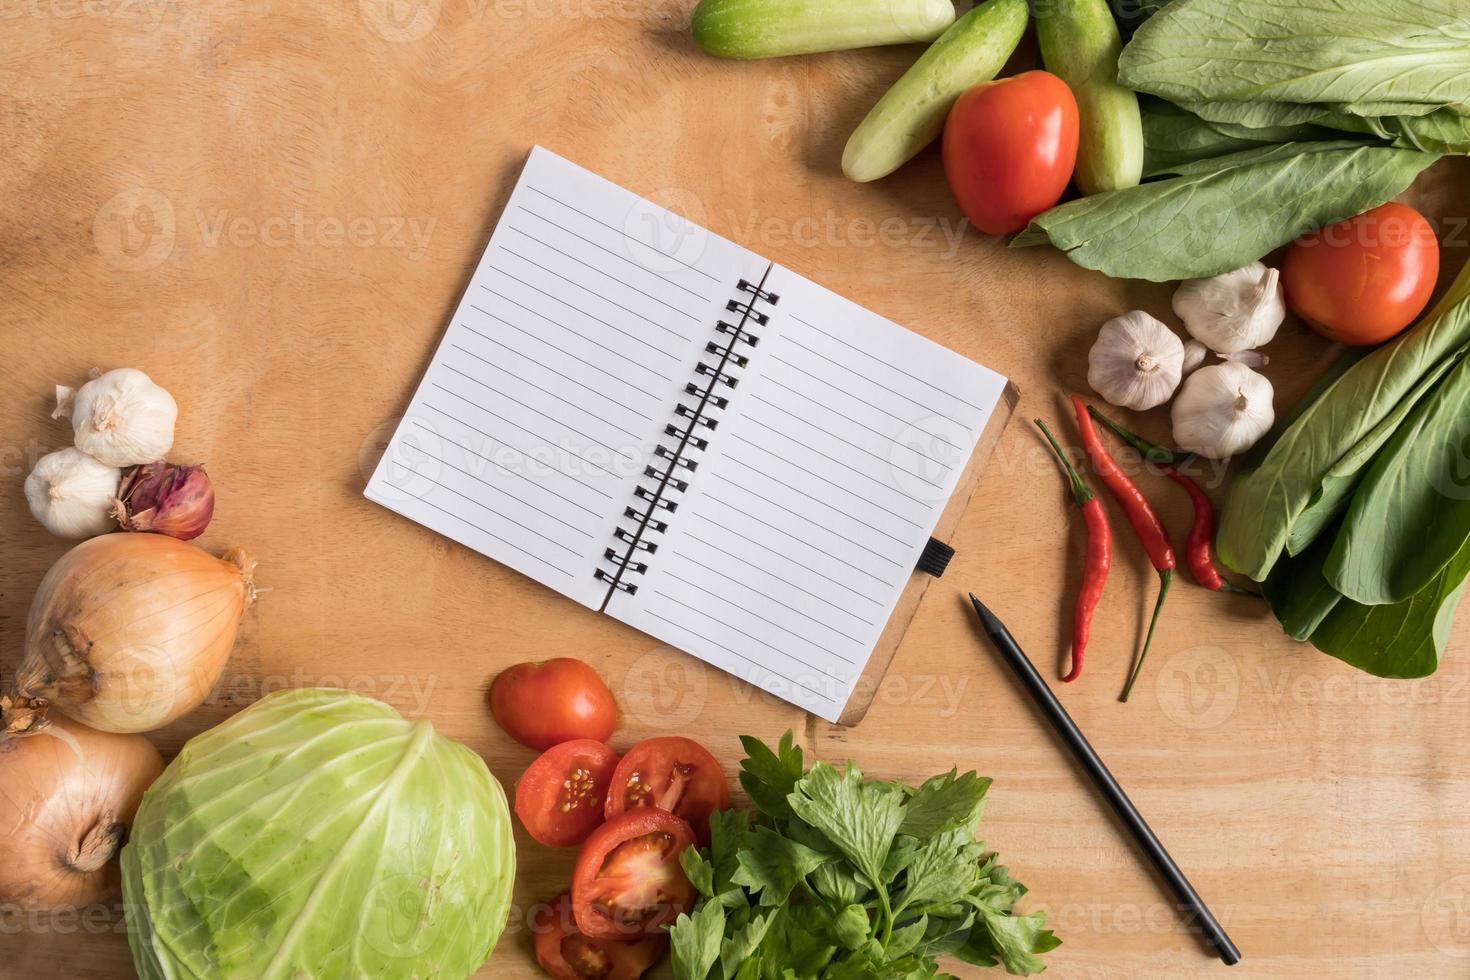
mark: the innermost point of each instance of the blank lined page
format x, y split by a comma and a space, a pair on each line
557, 373
829, 469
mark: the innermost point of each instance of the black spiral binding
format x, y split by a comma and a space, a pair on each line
669, 473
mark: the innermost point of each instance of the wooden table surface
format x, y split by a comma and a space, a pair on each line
272, 207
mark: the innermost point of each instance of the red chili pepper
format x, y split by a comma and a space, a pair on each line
1099, 556
1198, 548
1140, 514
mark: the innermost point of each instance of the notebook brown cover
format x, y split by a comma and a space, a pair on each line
908, 604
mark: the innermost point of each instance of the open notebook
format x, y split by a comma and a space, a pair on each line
659, 423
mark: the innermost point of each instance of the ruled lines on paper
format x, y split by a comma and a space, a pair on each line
803, 526
556, 375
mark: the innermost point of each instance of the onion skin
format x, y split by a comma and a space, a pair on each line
127, 633
67, 800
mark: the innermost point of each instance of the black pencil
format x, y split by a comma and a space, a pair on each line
1191, 904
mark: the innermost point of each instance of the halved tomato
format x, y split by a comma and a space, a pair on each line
566, 954
674, 774
561, 797
628, 881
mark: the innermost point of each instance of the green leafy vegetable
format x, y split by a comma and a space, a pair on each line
1391, 52
1332, 497
319, 834
861, 818
1300, 595
695, 940
1174, 136
1442, 131
1256, 115
1223, 213
1345, 422
850, 877
771, 865
944, 801
1411, 515
1405, 639
842, 877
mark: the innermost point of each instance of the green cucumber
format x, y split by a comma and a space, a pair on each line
773, 28
911, 113
1080, 44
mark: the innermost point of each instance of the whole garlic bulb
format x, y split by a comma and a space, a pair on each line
1233, 311
122, 418
1223, 409
71, 493
1136, 362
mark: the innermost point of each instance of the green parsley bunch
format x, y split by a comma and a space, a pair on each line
835, 877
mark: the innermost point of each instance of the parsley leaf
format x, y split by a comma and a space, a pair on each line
943, 868
944, 801
769, 777
772, 866
696, 941
860, 818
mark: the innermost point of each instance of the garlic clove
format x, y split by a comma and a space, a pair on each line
1223, 410
71, 493
123, 418
1136, 362
64, 398
1194, 355
1234, 311
1250, 358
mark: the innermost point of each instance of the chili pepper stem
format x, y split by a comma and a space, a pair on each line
1166, 579
1080, 490
1228, 586
1151, 452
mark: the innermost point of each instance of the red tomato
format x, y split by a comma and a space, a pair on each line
1009, 149
1363, 280
561, 797
541, 705
674, 774
566, 954
628, 882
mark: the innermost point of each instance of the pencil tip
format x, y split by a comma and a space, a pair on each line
986, 616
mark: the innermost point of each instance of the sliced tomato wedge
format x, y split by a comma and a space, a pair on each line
566, 954
674, 774
628, 882
561, 798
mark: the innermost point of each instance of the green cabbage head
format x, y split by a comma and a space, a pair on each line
315, 835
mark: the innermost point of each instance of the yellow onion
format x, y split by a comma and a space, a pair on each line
67, 799
128, 632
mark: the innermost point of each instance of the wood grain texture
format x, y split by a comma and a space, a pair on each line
271, 208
